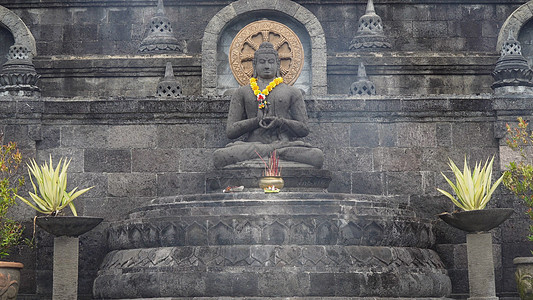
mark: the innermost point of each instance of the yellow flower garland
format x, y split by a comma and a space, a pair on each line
261, 95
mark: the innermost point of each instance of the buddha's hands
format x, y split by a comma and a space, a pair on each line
271, 122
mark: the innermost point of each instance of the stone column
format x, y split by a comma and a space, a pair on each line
480, 266
66, 254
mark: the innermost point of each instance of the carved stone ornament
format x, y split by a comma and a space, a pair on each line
9, 280
160, 37
512, 68
369, 34
8, 287
18, 74
168, 86
362, 86
247, 41
524, 276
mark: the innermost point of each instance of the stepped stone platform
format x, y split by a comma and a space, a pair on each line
253, 245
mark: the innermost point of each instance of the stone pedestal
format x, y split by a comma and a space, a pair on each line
66, 255
290, 245
480, 266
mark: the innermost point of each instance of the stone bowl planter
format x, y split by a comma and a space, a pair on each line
524, 277
9, 279
67, 225
477, 220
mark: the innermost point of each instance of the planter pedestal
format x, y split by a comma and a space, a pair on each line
481, 278
66, 251
480, 266
66, 255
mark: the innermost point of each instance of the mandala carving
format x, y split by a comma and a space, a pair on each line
247, 41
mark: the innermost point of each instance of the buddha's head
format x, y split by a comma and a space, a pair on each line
266, 62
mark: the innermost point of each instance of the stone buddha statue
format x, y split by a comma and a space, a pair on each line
272, 115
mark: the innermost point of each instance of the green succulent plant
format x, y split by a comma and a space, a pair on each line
473, 189
51, 187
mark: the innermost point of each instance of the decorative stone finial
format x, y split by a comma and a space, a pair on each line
160, 37
160, 8
370, 8
362, 86
369, 34
512, 72
361, 71
18, 75
168, 86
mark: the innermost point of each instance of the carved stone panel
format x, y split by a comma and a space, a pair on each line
247, 41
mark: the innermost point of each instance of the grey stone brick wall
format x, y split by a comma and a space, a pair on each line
90, 49
136, 149
117, 27
393, 73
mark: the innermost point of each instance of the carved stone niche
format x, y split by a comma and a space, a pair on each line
6, 41
241, 36
217, 77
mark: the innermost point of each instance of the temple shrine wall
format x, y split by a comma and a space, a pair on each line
136, 149
117, 27
91, 48
434, 101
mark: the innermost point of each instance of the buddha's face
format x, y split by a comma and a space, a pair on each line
266, 66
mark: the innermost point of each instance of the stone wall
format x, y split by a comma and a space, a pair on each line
393, 73
133, 150
97, 108
117, 27
85, 48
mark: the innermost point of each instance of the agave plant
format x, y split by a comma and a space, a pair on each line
472, 188
51, 187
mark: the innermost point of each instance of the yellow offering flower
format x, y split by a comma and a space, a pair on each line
261, 95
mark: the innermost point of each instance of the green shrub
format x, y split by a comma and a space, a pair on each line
10, 182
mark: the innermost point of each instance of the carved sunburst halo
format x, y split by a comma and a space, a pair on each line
247, 41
